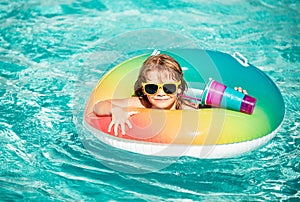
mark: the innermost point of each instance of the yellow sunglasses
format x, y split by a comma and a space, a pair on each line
168, 88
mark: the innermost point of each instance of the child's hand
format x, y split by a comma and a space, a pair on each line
120, 118
240, 89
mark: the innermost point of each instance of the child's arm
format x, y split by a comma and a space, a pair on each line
117, 108
102, 108
187, 104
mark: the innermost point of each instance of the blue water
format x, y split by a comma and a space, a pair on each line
53, 53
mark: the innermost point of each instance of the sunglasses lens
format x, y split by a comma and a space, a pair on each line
170, 88
151, 88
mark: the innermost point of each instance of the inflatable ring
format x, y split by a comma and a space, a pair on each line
201, 133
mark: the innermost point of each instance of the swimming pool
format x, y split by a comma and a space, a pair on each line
53, 54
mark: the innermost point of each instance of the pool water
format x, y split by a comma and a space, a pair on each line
52, 55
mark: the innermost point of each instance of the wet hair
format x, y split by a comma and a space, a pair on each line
167, 67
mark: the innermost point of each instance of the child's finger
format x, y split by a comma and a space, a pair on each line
110, 126
132, 113
116, 129
122, 128
129, 124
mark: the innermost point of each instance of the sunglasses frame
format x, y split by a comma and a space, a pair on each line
161, 86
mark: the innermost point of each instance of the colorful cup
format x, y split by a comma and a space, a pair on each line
218, 95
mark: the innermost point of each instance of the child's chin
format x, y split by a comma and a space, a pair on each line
163, 106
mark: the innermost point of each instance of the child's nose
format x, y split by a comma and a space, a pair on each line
160, 91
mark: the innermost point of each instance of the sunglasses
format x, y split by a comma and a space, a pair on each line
168, 88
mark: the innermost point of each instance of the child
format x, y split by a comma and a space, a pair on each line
159, 84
